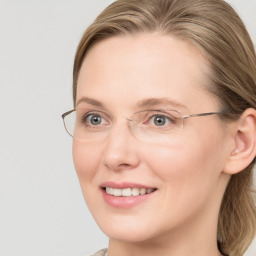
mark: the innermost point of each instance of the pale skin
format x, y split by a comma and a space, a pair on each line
190, 175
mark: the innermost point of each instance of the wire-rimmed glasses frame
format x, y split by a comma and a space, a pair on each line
180, 117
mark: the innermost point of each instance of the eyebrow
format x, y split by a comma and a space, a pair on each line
148, 102
151, 102
90, 101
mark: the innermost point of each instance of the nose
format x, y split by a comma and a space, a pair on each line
121, 149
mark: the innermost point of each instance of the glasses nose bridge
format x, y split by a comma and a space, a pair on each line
130, 124
182, 119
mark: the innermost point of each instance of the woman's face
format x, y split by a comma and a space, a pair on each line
183, 172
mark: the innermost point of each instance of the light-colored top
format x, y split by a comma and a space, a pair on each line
102, 252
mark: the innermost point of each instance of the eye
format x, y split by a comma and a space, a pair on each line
93, 120
159, 120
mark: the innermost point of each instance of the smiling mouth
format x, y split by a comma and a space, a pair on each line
128, 191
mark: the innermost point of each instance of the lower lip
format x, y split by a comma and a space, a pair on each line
125, 202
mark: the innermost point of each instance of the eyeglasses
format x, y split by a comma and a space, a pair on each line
155, 125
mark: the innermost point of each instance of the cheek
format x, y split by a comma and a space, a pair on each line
189, 175
188, 165
86, 160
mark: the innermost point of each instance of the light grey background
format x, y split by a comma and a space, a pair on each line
42, 212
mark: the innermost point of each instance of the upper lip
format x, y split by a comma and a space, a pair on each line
122, 185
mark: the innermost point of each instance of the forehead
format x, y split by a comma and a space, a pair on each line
134, 67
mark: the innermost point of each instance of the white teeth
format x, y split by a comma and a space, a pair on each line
149, 190
117, 192
110, 191
135, 191
128, 191
142, 191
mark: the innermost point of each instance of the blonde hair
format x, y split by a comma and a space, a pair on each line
217, 31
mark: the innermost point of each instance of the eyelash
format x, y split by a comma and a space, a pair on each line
149, 116
86, 121
167, 118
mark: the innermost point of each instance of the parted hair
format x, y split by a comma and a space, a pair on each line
214, 28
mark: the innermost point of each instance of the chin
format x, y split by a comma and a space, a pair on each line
128, 235
125, 228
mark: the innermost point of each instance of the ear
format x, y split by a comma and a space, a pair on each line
244, 149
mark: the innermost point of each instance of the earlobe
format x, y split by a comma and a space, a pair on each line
244, 150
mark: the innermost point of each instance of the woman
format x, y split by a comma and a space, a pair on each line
164, 127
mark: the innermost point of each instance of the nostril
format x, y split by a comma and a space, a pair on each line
117, 167
124, 165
